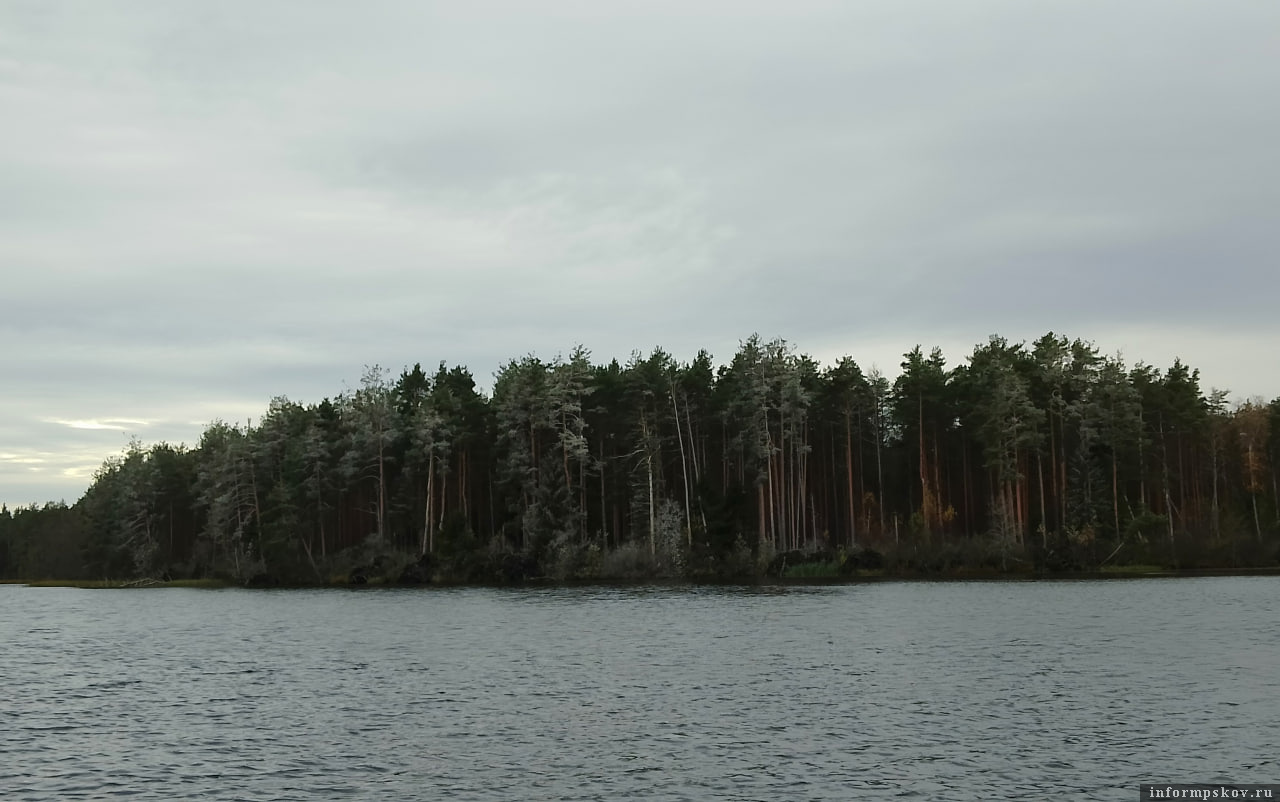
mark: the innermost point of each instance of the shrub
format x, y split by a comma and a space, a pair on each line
628, 561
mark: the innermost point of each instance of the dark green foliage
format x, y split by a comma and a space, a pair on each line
43, 542
1048, 457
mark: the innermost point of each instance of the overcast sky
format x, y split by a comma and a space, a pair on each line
204, 205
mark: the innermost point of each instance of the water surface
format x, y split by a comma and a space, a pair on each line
982, 690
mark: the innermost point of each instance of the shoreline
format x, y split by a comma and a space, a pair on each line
856, 579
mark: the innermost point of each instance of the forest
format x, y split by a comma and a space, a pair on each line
1047, 457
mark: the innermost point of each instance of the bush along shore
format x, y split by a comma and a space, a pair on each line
1024, 459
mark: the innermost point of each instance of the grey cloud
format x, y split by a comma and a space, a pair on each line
205, 206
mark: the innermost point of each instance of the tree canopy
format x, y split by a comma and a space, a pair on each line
1047, 455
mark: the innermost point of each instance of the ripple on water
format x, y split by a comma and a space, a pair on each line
940, 690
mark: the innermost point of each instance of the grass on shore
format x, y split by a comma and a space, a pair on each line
814, 570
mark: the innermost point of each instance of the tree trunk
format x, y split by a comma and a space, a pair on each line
465, 493
1053, 475
428, 529
1142, 467
924, 465
1115, 491
1044, 521
320, 508
382, 494
684, 470
1164, 480
653, 546
760, 499
604, 521
1214, 516
880, 481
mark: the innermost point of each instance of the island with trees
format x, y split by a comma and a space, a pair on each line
1027, 458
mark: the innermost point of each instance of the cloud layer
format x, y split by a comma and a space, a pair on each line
205, 206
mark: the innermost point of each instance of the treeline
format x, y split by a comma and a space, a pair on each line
1048, 456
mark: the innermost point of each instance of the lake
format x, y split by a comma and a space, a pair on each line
947, 690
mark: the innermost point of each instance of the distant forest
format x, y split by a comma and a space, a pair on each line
1041, 457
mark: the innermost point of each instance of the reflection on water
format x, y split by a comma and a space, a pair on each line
934, 690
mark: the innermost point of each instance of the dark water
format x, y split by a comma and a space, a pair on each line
1030, 690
